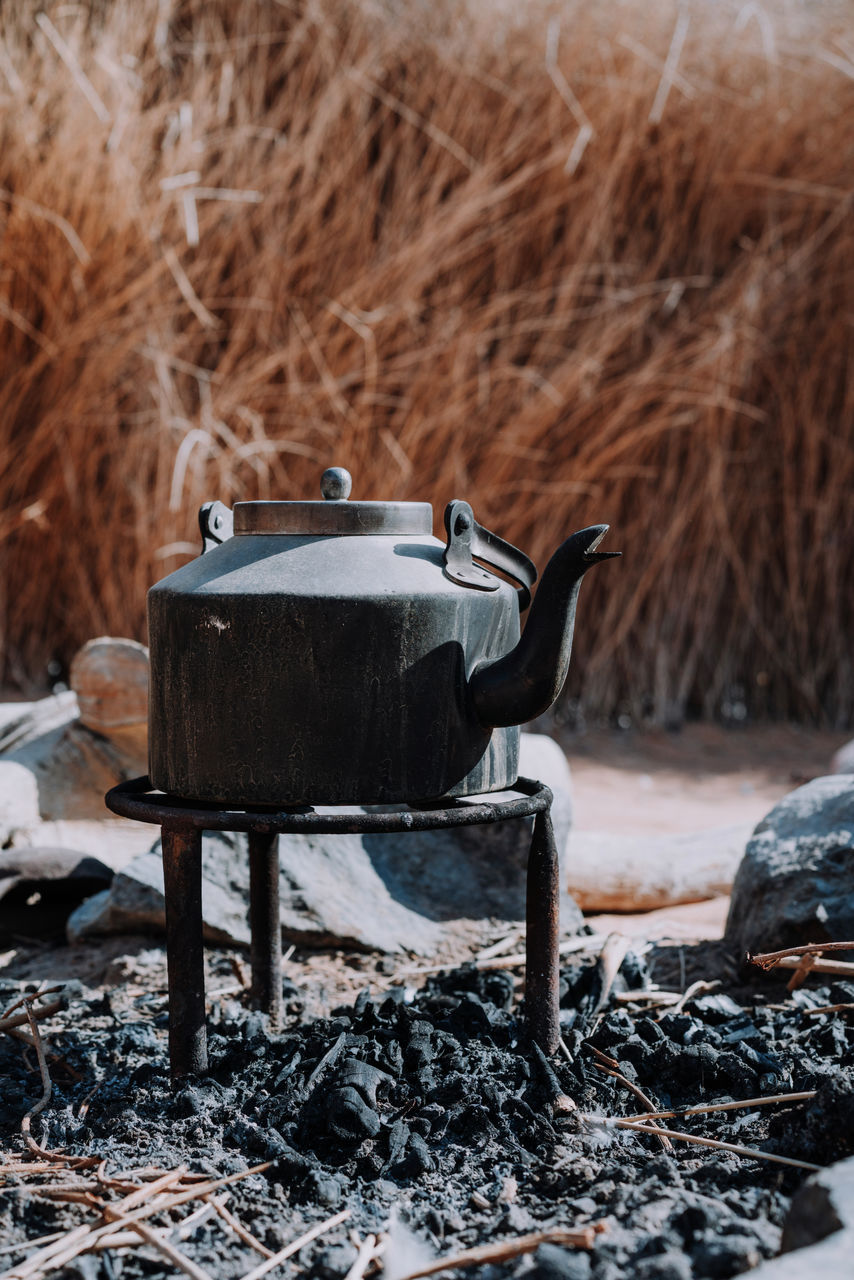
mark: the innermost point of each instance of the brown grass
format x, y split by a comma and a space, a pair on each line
481, 256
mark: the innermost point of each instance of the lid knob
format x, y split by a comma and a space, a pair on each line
335, 484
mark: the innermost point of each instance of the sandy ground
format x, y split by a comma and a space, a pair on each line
701, 777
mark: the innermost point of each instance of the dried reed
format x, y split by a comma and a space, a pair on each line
573, 263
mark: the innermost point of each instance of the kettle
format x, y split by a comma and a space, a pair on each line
334, 652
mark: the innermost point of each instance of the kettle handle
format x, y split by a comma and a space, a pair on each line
216, 522
468, 539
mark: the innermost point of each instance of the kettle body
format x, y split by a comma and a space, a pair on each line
329, 653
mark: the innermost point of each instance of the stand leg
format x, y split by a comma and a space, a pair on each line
264, 926
542, 937
185, 955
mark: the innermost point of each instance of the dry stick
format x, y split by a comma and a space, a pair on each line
799, 977
503, 944
611, 957
72, 1162
180, 1230
647, 997
589, 942
750, 1152
503, 1250
363, 1259
639, 1094
175, 1256
839, 968
86, 1237
19, 1020
695, 989
767, 959
296, 1245
22, 1245
828, 1008
725, 1106
30, 995
238, 1227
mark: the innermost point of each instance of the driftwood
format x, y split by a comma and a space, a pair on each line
617, 871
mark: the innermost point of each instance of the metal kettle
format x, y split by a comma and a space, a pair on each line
335, 652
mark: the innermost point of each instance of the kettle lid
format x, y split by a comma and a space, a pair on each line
335, 514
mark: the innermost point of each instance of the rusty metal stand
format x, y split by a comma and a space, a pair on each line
182, 823
185, 953
264, 927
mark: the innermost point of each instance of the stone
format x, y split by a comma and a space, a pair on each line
843, 759
818, 1233
821, 1205
796, 881
392, 893
41, 866
619, 871
110, 678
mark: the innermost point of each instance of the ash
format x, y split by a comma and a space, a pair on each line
427, 1114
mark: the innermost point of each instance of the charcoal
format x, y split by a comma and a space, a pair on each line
553, 1263
334, 1261
413, 1100
715, 1008
720, 1257
668, 1265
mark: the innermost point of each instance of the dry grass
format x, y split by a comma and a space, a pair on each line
490, 256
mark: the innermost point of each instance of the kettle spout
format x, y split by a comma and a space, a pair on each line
525, 682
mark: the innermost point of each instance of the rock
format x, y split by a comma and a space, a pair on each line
818, 1233
40, 866
380, 892
617, 871
110, 678
68, 753
115, 841
19, 798
843, 760
40, 887
822, 1205
796, 881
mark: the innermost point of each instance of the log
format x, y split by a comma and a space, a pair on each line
618, 871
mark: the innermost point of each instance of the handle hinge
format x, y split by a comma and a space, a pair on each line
467, 541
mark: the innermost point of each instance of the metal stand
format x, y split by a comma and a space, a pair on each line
182, 823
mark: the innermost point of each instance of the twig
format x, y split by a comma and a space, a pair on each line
31, 995
502, 945
616, 1074
767, 959
238, 1227
695, 989
296, 1245
648, 996
828, 1008
588, 942
87, 1237
47, 1088
805, 967
175, 1256
750, 1152
745, 1104
20, 1019
838, 968
612, 956
23, 1245
503, 1250
363, 1259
